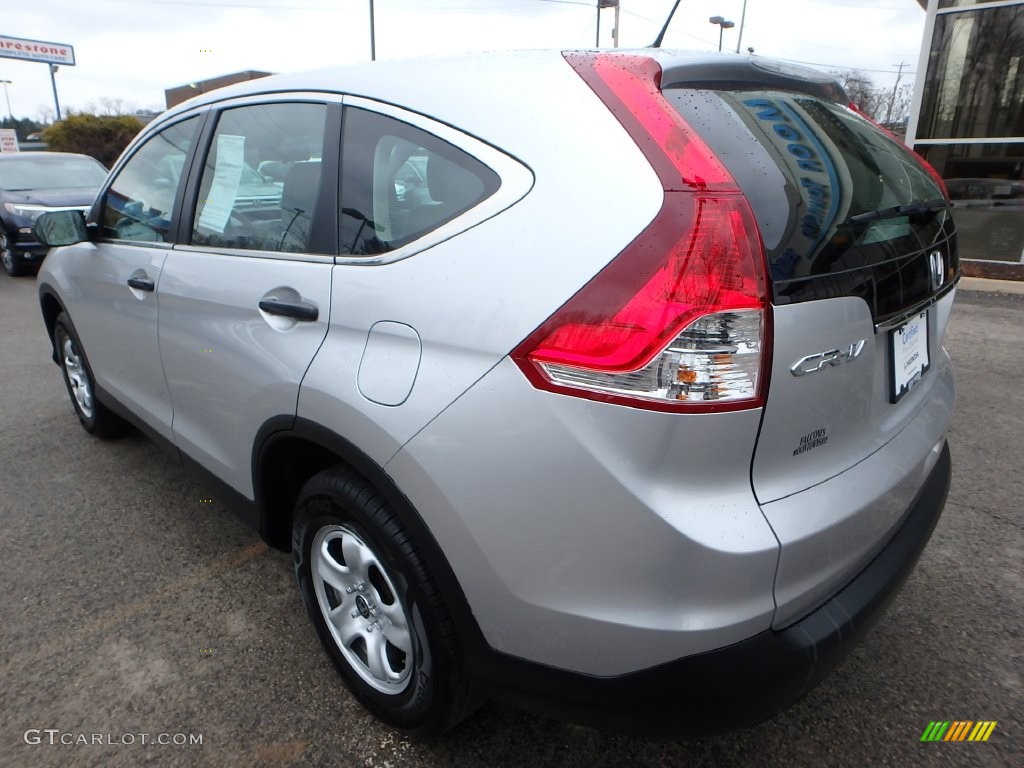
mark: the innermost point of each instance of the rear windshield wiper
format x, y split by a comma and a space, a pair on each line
928, 206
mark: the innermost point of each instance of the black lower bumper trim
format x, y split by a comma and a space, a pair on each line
739, 685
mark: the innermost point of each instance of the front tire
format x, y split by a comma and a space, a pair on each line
94, 417
12, 263
376, 609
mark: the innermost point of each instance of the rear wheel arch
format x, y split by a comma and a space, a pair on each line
289, 451
284, 460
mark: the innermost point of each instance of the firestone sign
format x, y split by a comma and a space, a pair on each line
37, 50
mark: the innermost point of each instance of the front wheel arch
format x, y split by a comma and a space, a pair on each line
51, 308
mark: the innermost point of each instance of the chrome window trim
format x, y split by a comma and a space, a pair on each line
318, 258
266, 97
516, 181
902, 317
990, 140
139, 243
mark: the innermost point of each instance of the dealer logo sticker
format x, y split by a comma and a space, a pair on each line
958, 730
811, 440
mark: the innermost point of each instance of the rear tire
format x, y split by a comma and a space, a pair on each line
94, 417
376, 609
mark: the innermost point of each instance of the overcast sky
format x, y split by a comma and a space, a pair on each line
131, 50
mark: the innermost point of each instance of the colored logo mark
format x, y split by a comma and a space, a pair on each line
958, 730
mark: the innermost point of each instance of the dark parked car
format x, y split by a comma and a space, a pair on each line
31, 184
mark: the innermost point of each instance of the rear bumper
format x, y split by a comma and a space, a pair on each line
738, 685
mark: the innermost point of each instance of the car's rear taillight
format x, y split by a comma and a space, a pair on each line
678, 321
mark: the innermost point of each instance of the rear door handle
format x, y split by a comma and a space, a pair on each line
306, 312
141, 283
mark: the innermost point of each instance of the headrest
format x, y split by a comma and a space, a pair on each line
300, 187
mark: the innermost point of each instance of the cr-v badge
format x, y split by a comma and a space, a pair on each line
814, 363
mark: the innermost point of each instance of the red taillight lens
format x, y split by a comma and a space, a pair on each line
630, 86
678, 320
696, 256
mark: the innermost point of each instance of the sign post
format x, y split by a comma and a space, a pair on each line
53, 54
53, 83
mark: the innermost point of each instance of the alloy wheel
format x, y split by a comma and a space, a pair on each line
362, 608
78, 377
6, 254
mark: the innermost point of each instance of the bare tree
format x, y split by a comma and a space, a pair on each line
901, 96
111, 106
862, 91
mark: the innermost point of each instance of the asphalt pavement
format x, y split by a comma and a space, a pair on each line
142, 619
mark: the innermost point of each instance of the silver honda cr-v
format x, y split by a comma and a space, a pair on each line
608, 383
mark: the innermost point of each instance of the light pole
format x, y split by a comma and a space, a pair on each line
743, 20
615, 32
7, 97
723, 25
373, 40
892, 99
53, 82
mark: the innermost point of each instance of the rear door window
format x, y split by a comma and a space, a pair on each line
400, 183
260, 184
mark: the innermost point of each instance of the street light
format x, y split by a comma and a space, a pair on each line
723, 25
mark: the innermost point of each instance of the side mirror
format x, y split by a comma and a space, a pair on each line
61, 228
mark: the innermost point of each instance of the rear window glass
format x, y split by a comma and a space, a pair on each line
400, 182
807, 167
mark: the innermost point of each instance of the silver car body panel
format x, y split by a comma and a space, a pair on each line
830, 531
116, 323
453, 288
565, 518
846, 404
230, 366
837, 464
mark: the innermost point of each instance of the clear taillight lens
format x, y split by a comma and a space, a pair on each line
716, 359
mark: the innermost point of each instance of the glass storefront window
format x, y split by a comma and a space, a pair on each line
974, 87
964, 3
986, 186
